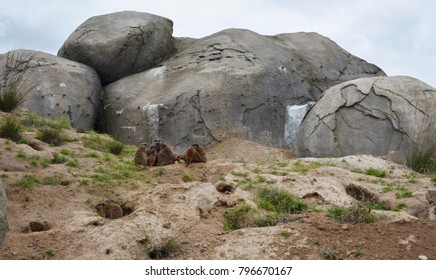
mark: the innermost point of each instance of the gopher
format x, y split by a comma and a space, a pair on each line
110, 210
224, 187
165, 155
194, 153
201, 156
152, 155
141, 155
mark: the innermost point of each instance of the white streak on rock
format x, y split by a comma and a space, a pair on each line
152, 111
294, 116
129, 127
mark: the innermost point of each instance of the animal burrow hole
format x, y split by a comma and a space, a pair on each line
361, 194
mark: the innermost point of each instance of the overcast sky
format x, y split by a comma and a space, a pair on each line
397, 35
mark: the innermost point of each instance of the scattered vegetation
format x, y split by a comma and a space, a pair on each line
304, 167
187, 177
285, 233
27, 181
13, 89
423, 160
239, 217
358, 212
49, 135
11, 129
165, 249
399, 207
275, 200
48, 254
332, 254
277, 208
103, 143
375, 172
400, 191
58, 158
73, 163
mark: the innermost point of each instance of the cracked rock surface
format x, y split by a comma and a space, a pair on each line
376, 116
56, 87
120, 44
234, 83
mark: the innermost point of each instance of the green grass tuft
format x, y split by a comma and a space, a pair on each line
357, 213
11, 129
278, 201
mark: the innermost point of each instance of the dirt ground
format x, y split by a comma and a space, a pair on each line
181, 204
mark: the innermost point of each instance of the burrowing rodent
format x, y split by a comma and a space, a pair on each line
110, 210
194, 153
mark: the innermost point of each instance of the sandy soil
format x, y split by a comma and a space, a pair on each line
180, 205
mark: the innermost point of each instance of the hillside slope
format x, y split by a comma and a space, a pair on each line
176, 212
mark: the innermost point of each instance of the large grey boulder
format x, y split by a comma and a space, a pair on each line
3, 211
54, 87
120, 44
235, 83
376, 116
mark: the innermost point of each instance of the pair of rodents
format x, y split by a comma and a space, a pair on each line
160, 153
194, 153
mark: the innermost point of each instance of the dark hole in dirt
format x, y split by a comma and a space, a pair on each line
158, 254
360, 193
65, 183
36, 146
223, 187
127, 208
366, 196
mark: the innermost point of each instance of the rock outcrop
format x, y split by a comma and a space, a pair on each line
120, 44
3, 212
54, 87
377, 116
232, 83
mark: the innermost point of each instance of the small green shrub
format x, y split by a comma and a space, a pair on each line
332, 254
73, 163
92, 155
423, 160
48, 254
403, 192
304, 167
375, 172
399, 207
21, 154
9, 100
433, 179
239, 217
49, 135
27, 181
285, 233
103, 143
13, 89
51, 180
187, 177
58, 158
359, 212
11, 129
115, 147
165, 249
278, 201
